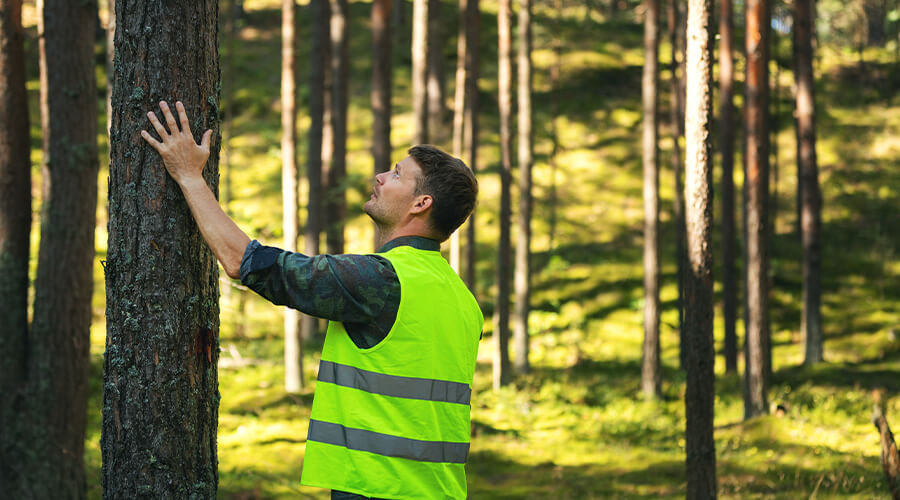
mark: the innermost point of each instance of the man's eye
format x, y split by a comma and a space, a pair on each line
396, 174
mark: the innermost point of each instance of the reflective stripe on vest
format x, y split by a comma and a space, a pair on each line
388, 445
393, 385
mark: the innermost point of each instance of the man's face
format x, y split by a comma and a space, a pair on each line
394, 193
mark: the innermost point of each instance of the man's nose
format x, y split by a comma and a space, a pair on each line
379, 177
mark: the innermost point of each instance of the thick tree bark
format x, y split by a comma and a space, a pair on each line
756, 179
15, 229
699, 305
811, 323
650, 372
318, 62
58, 348
293, 347
340, 62
160, 397
436, 87
523, 221
726, 138
677, 115
504, 250
420, 70
470, 133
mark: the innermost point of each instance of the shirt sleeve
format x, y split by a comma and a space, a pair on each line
347, 287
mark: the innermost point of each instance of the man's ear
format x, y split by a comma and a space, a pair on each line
422, 203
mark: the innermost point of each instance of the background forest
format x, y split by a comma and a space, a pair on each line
576, 425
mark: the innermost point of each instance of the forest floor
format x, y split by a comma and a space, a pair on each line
576, 427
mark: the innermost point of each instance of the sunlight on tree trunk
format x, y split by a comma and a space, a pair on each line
523, 242
726, 138
504, 250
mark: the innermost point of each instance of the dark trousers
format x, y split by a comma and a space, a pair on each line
343, 495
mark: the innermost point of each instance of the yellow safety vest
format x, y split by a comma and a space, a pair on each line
392, 421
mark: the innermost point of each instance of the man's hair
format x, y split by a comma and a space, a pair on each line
451, 185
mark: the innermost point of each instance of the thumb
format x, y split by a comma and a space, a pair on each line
204, 142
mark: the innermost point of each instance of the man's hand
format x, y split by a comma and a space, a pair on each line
184, 159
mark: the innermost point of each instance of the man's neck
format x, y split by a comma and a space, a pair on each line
384, 235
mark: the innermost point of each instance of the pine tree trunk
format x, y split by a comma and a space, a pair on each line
811, 323
160, 398
15, 229
650, 373
293, 347
677, 116
59, 345
420, 70
504, 250
470, 134
459, 113
756, 179
337, 203
314, 152
381, 85
726, 138
699, 305
523, 242
436, 90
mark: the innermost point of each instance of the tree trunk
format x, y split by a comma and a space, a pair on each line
698, 326
650, 373
811, 323
160, 398
504, 251
890, 458
337, 203
674, 18
15, 229
726, 137
470, 134
318, 61
381, 85
756, 179
293, 347
436, 90
523, 242
59, 344
459, 113
552, 197
420, 70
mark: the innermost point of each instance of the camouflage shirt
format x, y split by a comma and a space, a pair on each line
360, 291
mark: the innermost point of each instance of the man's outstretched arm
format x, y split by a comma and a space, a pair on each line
184, 160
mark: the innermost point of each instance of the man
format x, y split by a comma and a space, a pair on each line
390, 418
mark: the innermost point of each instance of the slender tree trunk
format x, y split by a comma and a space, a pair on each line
699, 395
523, 242
15, 229
552, 198
436, 90
318, 62
420, 70
381, 85
675, 19
340, 63
293, 347
756, 179
160, 397
650, 373
504, 250
58, 348
459, 113
811, 323
726, 138
470, 134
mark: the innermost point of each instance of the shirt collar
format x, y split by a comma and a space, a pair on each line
417, 242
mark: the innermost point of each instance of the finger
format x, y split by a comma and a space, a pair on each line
167, 113
182, 116
163, 133
204, 142
150, 139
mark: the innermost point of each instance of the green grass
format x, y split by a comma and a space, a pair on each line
575, 427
